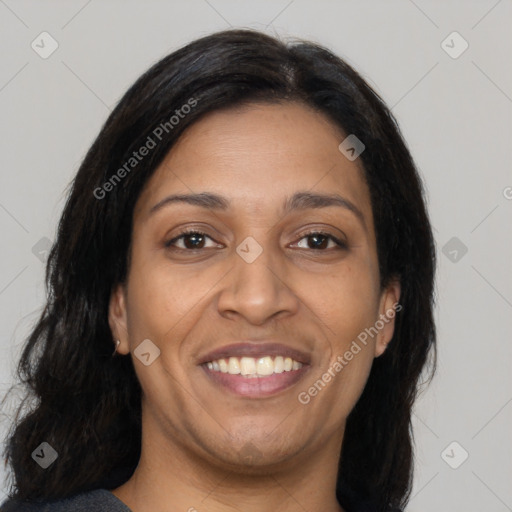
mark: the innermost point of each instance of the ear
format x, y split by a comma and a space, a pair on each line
387, 312
117, 319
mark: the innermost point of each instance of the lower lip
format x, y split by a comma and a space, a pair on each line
256, 387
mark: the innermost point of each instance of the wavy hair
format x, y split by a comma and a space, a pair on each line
88, 403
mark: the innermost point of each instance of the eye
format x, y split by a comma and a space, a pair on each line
192, 240
320, 241
196, 240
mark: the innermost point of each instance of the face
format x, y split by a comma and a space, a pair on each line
252, 294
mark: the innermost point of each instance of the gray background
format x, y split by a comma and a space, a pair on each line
455, 114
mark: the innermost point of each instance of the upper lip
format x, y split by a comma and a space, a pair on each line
255, 349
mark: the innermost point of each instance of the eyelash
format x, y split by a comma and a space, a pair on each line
339, 243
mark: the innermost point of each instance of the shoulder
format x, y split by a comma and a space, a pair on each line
99, 500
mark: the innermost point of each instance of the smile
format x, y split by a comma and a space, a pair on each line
251, 377
252, 367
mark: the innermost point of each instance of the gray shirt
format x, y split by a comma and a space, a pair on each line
99, 500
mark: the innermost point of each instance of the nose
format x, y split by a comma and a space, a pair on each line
258, 289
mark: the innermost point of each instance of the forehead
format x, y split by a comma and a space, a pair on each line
257, 154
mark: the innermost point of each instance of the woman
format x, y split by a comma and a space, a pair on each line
249, 233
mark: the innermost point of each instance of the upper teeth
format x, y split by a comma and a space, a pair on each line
248, 366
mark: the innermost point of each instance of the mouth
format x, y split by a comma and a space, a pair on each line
255, 370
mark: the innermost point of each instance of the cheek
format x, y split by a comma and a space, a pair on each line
158, 297
349, 304
349, 299
161, 292
359, 307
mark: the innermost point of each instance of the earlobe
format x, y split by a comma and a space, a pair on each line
117, 320
389, 305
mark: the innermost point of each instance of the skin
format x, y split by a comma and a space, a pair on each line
196, 436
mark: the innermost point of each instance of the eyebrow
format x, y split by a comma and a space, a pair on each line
299, 201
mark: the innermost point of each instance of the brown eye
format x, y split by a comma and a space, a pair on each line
320, 241
192, 240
